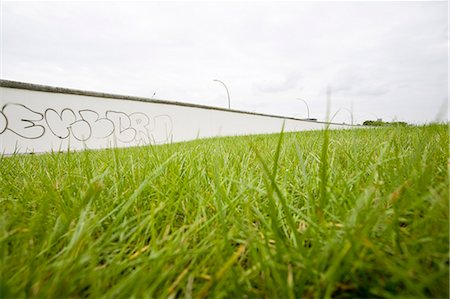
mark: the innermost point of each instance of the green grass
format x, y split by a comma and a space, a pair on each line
360, 213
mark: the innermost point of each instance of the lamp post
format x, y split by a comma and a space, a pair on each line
228, 94
307, 107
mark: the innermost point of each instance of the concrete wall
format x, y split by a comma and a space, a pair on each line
36, 118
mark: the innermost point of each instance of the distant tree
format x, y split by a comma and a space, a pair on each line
375, 123
379, 123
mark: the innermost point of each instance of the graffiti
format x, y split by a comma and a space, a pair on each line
100, 127
140, 122
22, 121
122, 123
3, 122
64, 123
85, 124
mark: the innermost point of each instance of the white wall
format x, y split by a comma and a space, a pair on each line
42, 121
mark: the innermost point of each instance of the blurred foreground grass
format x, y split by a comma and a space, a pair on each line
361, 213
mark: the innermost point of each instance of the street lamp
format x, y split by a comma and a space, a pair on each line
307, 107
228, 94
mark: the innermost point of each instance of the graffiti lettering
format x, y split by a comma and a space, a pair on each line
22, 121
62, 124
136, 127
122, 125
140, 122
100, 127
3, 122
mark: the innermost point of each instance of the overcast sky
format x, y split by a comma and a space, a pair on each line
385, 59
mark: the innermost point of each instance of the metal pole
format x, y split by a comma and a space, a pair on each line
307, 107
228, 94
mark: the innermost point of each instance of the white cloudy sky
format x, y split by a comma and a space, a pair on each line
386, 59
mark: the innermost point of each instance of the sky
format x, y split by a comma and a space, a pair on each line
384, 60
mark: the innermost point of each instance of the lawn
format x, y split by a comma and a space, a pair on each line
351, 213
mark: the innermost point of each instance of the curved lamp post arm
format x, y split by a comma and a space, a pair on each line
228, 94
307, 107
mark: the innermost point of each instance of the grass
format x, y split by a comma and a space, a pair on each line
360, 213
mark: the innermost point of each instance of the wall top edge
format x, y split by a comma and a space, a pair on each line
53, 89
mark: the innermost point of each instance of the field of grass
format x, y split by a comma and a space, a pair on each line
360, 213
